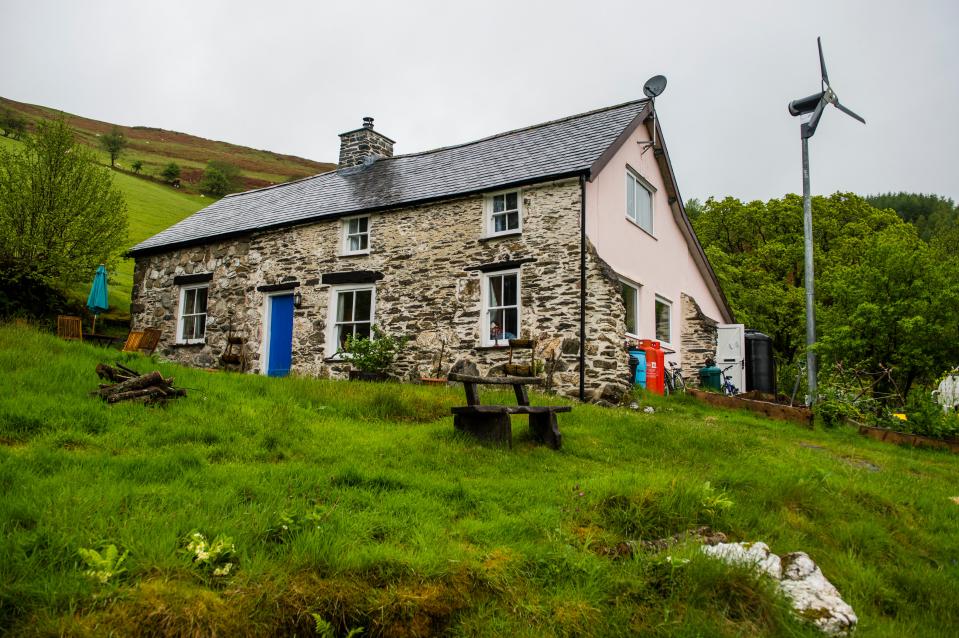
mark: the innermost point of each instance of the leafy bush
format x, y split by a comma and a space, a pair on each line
374, 354
925, 417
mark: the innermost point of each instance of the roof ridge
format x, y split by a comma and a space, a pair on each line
452, 146
519, 130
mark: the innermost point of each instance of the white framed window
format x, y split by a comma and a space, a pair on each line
356, 235
664, 312
191, 319
630, 294
351, 313
501, 307
639, 201
504, 213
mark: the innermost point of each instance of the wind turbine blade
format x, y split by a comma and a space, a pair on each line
809, 129
822, 63
847, 111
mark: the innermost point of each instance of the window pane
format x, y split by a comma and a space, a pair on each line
644, 207
364, 305
187, 328
629, 300
189, 299
512, 221
499, 203
630, 197
662, 321
511, 201
363, 224
495, 291
199, 327
499, 223
495, 324
509, 290
510, 323
342, 333
354, 226
200, 300
362, 330
364, 241
344, 310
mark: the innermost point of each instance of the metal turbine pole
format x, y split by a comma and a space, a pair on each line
809, 278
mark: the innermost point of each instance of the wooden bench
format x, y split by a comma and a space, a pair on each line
492, 422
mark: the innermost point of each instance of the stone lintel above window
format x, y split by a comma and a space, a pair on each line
502, 265
351, 277
198, 278
286, 285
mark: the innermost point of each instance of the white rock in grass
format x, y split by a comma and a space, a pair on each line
813, 597
756, 554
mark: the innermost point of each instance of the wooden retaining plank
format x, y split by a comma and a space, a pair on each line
901, 438
800, 415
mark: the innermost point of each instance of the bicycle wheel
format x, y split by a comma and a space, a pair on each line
679, 383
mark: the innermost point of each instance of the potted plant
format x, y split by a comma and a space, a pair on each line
372, 356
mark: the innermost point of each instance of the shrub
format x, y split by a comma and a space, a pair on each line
376, 353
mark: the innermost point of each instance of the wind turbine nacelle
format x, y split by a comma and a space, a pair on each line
805, 104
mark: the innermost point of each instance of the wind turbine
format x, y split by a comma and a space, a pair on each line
810, 110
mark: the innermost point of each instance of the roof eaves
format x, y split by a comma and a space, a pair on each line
611, 150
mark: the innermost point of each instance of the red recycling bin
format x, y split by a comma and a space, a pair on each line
655, 360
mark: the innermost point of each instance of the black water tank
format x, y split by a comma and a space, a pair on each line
760, 365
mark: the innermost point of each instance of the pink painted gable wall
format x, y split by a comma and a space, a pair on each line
660, 263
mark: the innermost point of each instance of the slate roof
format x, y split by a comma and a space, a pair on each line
553, 149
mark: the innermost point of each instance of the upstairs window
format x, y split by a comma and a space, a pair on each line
191, 323
353, 314
502, 308
504, 214
356, 235
639, 201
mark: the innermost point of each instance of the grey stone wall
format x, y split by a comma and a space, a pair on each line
699, 339
356, 146
428, 291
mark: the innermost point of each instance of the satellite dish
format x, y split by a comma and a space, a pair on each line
655, 86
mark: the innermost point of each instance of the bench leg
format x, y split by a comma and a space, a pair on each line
487, 427
545, 429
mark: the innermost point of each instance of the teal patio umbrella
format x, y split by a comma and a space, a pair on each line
97, 302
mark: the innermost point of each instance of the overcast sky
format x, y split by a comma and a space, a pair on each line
289, 76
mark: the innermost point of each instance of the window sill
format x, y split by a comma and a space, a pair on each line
188, 344
506, 347
636, 224
360, 253
512, 233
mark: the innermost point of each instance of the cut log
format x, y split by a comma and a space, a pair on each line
149, 393
153, 378
113, 374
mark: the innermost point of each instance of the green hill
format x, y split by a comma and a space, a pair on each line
157, 147
152, 204
358, 504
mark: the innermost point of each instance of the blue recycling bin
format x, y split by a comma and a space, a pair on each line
640, 377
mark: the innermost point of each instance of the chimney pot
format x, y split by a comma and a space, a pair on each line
367, 122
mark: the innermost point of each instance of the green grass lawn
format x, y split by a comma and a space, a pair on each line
398, 525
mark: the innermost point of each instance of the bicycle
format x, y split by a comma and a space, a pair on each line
728, 388
673, 379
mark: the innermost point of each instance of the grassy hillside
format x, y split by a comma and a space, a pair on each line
151, 207
157, 147
358, 504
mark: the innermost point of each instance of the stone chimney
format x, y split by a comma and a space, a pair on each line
363, 146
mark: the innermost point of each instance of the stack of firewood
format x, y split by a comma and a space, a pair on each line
130, 385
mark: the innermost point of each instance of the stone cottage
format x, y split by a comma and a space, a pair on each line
571, 232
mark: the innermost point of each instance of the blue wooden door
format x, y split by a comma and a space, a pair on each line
281, 335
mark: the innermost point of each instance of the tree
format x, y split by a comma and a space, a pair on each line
113, 143
219, 179
137, 166
60, 214
171, 172
930, 214
13, 125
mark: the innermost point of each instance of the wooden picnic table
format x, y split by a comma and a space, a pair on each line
104, 341
492, 422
